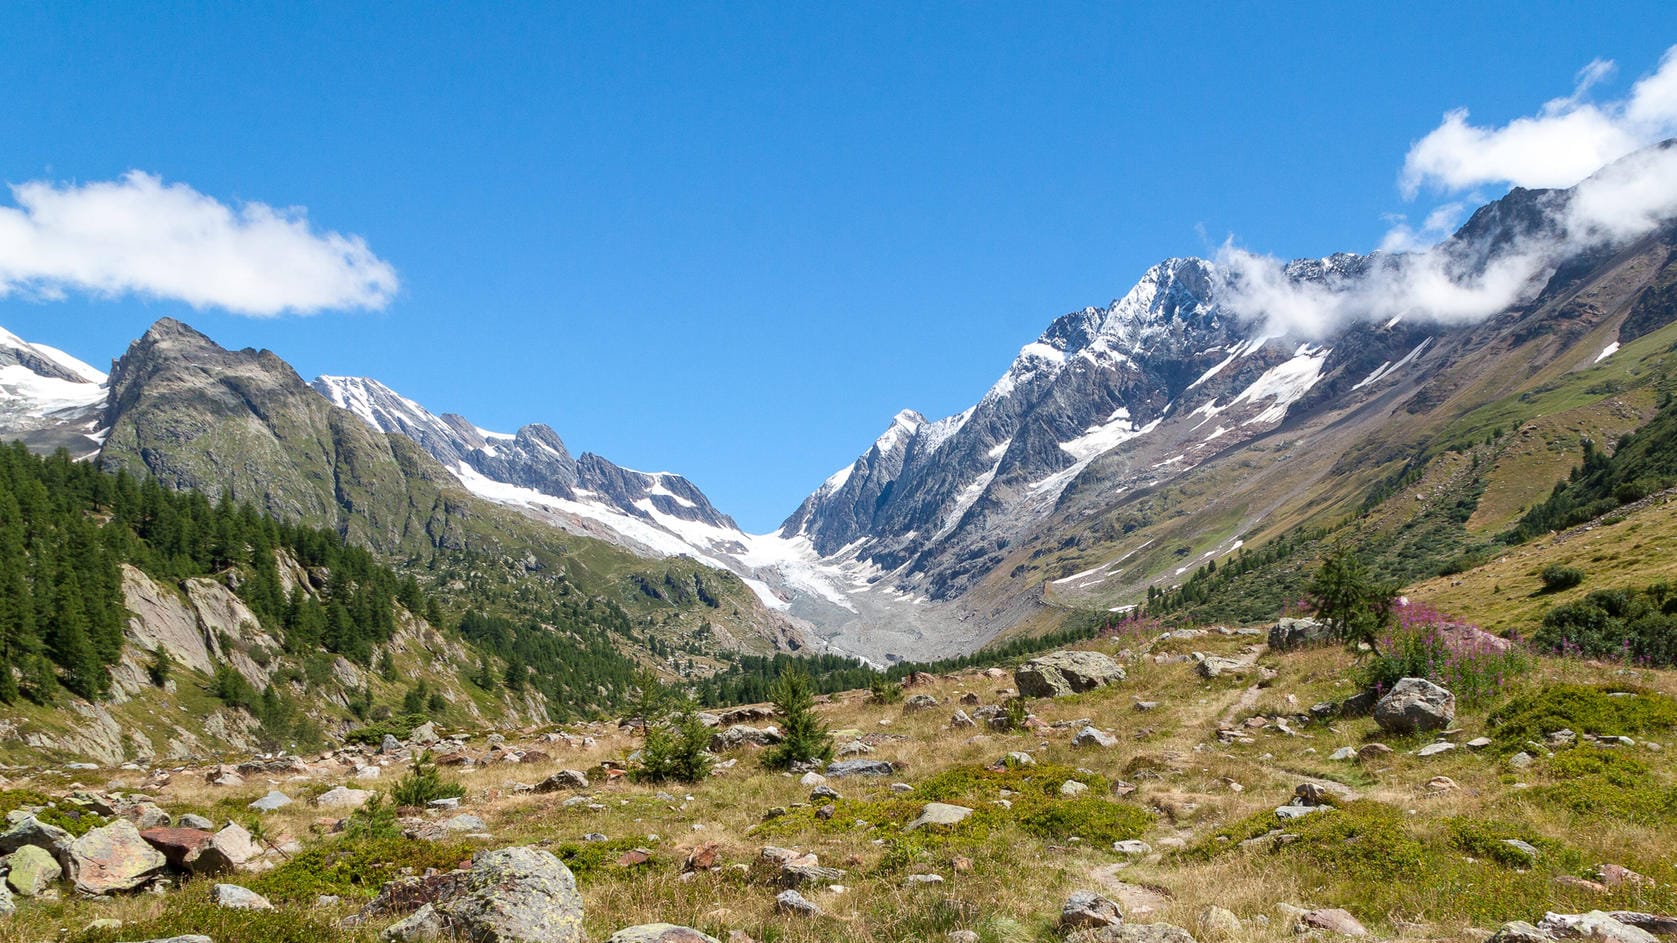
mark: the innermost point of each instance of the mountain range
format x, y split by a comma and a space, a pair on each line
1123, 448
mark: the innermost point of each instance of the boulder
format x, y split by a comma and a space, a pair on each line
1415, 704
1218, 923
424, 734
189, 820
1132, 848
1091, 737
1595, 925
234, 897
1294, 633
342, 797
1334, 920
564, 779
739, 735
1216, 666
845, 768
7, 905
939, 813
113, 858
1057, 674
1519, 931
31, 870
178, 845
919, 702
795, 904
513, 895
1086, 910
660, 933
272, 801
227, 850
1142, 933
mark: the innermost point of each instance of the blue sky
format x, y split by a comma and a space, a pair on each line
729, 239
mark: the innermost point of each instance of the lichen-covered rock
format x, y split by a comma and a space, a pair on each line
1142, 933
113, 858
513, 895
31, 870
1415, 704
1057, 674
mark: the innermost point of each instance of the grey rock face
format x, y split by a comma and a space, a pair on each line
1068, 672
1415, 704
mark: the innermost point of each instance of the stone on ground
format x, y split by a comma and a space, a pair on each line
513, 895
939, 813
1415, 704
1088, 910
234, 897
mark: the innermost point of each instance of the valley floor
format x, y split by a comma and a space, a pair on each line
1415, 850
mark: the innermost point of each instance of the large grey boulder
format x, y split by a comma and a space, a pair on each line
113, 858
1415, 704
7, 907
513, 895
343, 797
1057, 674
1295, 633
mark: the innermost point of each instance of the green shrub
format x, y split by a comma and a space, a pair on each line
971, 785
1557, 577
192, 912
1487, 839
675, 749
1534, 714
1364, 840
1637, 626
355, 867
423, 783
1093, 819
373, 734
1606, 782
883, 690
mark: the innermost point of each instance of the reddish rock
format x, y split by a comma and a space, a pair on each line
702, 858
634, 857
178, 845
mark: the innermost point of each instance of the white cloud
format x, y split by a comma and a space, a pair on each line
137, 235
1567, 140
1628, 189
1622, 201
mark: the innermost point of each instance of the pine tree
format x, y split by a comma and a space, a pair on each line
806, 738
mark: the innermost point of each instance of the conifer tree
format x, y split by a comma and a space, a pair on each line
807, 739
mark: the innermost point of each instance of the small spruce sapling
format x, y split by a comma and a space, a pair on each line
807, 739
